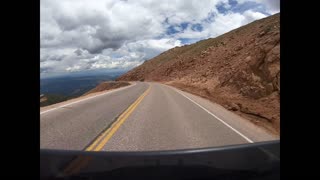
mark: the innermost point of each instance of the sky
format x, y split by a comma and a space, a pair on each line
110, 35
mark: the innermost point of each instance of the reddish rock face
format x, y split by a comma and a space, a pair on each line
240, 67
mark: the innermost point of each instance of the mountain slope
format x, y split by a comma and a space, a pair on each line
108, 85
239, 70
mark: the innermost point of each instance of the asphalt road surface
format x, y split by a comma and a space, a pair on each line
144, 117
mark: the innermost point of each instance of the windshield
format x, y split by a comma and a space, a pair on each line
155, 76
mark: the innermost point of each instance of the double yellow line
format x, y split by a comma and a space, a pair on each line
99, 143
104, 137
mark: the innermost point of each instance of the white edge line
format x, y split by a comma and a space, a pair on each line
109, 92
246, 138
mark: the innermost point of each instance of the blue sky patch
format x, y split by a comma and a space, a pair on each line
233, 2
176, 29
235, 7
197, 27
209, 18
171, 30
184, 25
240, 8
221, 8
185, 41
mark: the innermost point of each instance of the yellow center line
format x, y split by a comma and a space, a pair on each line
121, 120
104, 137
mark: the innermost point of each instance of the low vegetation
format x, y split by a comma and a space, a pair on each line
49, 99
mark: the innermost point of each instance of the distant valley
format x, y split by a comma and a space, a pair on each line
58, 89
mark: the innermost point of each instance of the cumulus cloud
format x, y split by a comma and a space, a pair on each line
271, 6
110, 34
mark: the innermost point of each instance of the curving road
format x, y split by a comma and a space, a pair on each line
142, 117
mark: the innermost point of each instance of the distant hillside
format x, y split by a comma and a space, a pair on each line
71, 86
58, 89
239, 70
107, 86
49, 99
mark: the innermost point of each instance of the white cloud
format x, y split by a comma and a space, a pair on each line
91, 34
272, 6
251, 16
222, 23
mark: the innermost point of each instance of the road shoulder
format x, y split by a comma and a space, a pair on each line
82, 98
252, 131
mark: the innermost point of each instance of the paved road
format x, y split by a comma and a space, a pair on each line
145, 116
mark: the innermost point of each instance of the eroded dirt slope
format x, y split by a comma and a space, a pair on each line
239, 70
